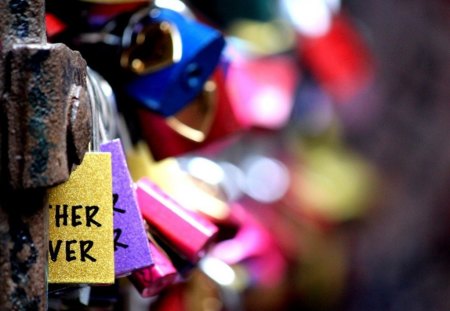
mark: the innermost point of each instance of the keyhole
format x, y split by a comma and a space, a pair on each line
192, 75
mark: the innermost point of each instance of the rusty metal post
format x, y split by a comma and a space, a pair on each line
45, 128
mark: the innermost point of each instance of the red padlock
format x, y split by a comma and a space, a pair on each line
207, 119
339, 59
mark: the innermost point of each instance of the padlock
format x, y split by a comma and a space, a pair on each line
339, 59
152, 280
139, 161
189, 53
81, 210
157, 56
81, 246
174, 181
333, 184
185, 231
261, 89
209, 119
54, 25
131, 250
331, 47
45, 101
179, 184
183, 266
262, 38
174, 299
254, 248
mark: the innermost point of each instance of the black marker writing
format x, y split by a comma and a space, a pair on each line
63, 218
70, 250
116, 209
117, 244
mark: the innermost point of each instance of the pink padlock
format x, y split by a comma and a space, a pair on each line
152, 280
253, 248
188, 233
261, 90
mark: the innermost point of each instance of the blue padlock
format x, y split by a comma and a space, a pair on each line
171, 56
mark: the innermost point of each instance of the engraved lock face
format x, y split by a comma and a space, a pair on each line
194, 122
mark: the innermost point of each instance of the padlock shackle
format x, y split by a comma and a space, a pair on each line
103, 108
93, 98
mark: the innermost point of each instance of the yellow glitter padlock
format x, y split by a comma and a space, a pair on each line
81, 245
140, 161
169, 176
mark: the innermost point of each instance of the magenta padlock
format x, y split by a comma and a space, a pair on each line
261, 89
186, 232
251, 240
255, 249
131, 249
152, 280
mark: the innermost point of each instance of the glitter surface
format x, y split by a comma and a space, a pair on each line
152, 280
84, 205
131, 244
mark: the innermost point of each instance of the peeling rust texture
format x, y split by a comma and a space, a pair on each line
38, 103
45, 128
43, 95
23, 257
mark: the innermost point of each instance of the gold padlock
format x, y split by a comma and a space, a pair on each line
81, 246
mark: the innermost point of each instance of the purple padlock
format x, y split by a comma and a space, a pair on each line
131, 249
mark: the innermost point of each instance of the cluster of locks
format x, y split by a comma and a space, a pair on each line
196, 160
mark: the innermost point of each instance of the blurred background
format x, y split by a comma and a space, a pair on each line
321, 152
